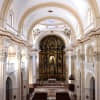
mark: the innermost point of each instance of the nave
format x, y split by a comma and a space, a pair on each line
49, 49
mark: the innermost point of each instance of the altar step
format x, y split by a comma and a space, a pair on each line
51, 89
51, 85
52, 96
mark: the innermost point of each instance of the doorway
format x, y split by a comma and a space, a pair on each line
8, 89
92, 89
21, 86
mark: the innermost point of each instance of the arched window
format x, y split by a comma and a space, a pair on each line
11, 18
90, 16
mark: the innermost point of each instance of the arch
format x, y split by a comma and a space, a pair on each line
41, 36
9, 89
52, 38
7, 3
89, 76
94, 6
50, 4
5, 8
49, 17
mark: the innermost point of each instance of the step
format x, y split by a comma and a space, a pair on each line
51, 98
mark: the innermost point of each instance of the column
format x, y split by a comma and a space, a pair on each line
35, 66
82, 73
73, 56
26, 80
30, 64
69, 64
1, 70
3, 57
66, 65
27, 73
19, 72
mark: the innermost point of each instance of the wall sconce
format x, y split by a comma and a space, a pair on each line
77, 86
71, 77
14, 97
87, 97
24, 86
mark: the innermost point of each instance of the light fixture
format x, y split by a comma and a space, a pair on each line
50, 11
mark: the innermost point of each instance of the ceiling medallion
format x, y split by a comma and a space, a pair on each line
50, 11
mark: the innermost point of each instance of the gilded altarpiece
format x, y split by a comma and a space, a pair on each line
51, 59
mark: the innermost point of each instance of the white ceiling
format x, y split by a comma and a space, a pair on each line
29, 12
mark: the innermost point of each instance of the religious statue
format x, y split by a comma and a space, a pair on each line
52, 62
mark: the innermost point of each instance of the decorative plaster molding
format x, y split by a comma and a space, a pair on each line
15, 38
93, 33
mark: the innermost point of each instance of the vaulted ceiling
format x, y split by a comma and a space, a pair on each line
28, 13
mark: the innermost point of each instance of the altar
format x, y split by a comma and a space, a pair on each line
52, 59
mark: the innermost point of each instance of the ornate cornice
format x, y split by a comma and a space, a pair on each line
14, 38
93, 33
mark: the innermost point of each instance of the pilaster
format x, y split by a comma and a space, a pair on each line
66, 64
82, 72
3, 57
97, 72
19, 72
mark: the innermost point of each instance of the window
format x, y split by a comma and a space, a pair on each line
90, 16
11, 18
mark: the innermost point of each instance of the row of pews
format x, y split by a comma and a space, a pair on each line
40, 96
51, 89
43, 96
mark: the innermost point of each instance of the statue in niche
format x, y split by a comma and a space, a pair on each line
52, 62
51, 58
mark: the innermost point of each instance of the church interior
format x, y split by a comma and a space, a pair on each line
49, 49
